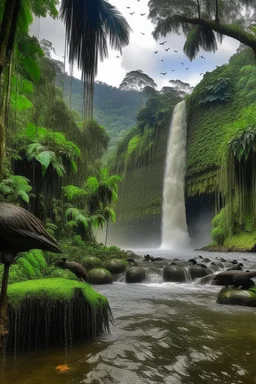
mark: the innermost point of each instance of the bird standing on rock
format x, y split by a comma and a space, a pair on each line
74, 267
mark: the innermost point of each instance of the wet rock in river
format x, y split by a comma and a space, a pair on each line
174, 273
197, 271
116, 266
99, 276
135, 275
234, 296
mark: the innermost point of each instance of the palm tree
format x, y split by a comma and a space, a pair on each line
88, 25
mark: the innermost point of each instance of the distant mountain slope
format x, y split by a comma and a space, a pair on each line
114, 109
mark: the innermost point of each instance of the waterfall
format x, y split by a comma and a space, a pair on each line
174, 225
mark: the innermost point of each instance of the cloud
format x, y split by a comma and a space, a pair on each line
140, 52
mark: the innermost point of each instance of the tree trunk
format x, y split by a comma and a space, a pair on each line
217, 11
106, 237
237, 33
5, 32
4, 307
7, 37
198, 9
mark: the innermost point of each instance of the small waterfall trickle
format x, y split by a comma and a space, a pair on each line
174, 225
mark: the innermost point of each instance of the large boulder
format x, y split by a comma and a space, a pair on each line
174, 273
99, 276
116, 266
237, 297
43, 312
135, 275
91, 262
226, 277
198, 271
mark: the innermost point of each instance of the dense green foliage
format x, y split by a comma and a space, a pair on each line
139, 145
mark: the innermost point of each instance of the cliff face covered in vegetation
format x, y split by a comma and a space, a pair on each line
220, 160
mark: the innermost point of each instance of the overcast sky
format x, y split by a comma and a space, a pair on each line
140, 52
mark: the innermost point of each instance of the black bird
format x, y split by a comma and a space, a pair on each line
143, 14
162, 60
167, 49
156, 51
175, 51
202, 57
173, 70
20, 231
163, 73
117, 57
128, 7
132, 13
143, 33
74, 267
163, 43
187, 69
182, 63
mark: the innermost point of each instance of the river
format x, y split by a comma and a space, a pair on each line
163, 333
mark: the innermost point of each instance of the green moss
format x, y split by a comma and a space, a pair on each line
243, 241
26, 268
53, 290
91, 262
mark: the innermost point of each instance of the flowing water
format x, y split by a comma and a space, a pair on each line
163, 333
174, 225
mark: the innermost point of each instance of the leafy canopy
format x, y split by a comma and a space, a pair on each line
137, 80
204, 22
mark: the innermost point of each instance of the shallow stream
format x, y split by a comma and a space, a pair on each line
163, 333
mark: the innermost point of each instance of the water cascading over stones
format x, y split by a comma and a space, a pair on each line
174, 225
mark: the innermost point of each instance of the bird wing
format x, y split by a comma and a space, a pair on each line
15, 221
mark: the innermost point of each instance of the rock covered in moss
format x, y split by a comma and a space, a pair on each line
49, 311
116, 266
135, 275
234, 296
100, 276
91, 262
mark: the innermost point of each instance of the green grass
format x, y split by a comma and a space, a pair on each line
55, 289
241, 240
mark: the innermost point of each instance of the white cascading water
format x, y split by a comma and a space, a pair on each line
174, 225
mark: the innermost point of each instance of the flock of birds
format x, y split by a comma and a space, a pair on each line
161, 44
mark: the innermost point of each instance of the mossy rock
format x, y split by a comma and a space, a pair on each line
61, 273
233, 296
116, 266
49, 311
91, 262
99, 276
135, 275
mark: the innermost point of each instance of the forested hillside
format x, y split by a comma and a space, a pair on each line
114, 109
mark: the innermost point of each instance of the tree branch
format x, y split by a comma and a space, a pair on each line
230, 30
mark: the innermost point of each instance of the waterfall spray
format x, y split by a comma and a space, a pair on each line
174, 225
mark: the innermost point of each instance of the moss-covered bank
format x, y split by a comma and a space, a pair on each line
50, 311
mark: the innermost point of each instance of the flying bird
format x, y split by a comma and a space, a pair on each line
162, 60
117, 57
182, 63
187, 69
156, 51
163, 43
143, 33
202, 57
163, 73
175, 51
143, 14
173, 70
166, 49
128, 7
131, 13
